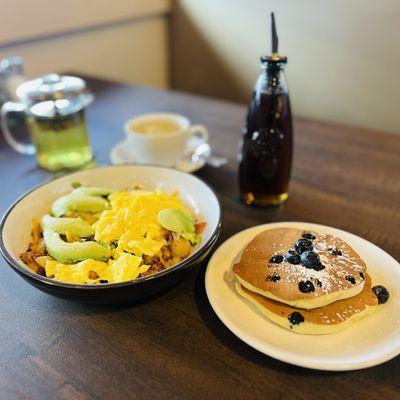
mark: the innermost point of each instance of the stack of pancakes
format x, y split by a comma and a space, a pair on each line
304, 281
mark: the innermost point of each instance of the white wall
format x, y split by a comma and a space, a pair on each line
344, 55
124, 40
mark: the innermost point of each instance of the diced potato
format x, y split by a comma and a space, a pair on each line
180, 248
40, 248
93, 275
42, 260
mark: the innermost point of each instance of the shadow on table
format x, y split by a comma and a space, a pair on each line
62, 306
233, 343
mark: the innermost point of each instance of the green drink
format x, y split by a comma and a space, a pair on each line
61, 142
54, 111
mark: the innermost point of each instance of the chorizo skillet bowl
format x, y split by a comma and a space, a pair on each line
111, 234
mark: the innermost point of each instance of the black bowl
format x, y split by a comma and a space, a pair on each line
16, 224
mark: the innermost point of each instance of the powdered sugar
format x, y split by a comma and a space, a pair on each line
337, 267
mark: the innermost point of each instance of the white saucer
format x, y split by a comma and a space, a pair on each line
121, 154
371, 341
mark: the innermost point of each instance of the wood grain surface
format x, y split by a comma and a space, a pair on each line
174, 346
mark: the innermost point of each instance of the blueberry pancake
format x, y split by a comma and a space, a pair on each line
302, 269
323, 320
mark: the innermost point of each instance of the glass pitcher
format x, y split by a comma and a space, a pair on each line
54, 109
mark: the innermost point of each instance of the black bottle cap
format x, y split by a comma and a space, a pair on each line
274, 57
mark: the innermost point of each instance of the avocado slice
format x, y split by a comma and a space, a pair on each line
93, 191
76, 226
179, 222
76, 251
71, 202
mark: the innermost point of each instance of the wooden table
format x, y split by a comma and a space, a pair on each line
174, 346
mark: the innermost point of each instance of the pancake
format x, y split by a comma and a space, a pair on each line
262, 268
328, 319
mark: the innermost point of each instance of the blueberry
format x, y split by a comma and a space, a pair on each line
310, 259
273, 278
276, 259
306, 287
295, 318
336, 252
350, 279
303, 245
381, 293
318, 267
292, 257
362, 276
309, 236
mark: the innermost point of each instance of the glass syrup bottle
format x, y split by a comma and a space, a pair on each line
266, 157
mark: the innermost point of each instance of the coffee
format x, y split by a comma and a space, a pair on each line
155, 127
162, 138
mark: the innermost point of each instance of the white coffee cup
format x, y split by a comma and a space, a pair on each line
163, 148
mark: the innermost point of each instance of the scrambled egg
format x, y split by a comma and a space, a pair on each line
131, 225
125, 268
132, 221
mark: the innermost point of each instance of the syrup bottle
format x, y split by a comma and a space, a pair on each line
266, 156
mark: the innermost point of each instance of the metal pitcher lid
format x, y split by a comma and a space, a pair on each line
53, 95
51, 87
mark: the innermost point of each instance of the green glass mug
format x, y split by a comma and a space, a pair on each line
54, 112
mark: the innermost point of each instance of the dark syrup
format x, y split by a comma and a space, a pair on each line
266, 157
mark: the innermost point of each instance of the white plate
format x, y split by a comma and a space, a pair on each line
121, 154
371, 341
